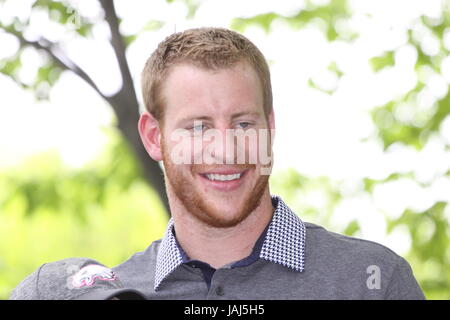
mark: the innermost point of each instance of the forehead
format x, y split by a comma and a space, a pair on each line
190, 88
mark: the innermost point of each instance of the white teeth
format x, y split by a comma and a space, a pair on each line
223, 177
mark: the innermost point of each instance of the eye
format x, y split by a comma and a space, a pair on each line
198, 128
244, 124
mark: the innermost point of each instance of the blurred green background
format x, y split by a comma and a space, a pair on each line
109, 207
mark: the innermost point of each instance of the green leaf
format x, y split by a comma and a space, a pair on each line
129, 39
352, 228
263, 20
11, 66
153, 25
331, 33
334, 68
312, 84
65, 14
84, 29
329, 14
443, 111
381, 62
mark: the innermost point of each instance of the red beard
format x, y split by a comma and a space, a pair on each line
195, 203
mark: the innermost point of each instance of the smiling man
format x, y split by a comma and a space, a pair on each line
229, 238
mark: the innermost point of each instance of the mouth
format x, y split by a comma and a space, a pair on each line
222, 177
226, 181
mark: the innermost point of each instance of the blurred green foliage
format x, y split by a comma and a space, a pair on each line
48, 212
429, 254
429, 231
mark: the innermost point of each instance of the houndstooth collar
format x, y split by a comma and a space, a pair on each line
284, 244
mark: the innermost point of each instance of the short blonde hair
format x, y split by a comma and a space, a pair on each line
208, 48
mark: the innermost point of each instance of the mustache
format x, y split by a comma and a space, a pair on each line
199, 168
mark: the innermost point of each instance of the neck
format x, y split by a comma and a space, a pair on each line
221, 246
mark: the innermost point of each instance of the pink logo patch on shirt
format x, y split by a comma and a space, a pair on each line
86, 276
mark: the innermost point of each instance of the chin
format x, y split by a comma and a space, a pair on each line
229, 206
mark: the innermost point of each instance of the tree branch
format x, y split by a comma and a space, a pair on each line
119, 47
63, 62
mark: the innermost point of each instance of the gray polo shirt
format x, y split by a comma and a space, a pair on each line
291, 260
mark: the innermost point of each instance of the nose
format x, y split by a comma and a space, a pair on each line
221, 146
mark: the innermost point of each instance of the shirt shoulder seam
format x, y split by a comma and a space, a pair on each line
353, 239
38, 293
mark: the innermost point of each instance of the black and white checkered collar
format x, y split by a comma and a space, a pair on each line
284, 244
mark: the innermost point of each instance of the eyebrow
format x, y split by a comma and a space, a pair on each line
245, 113
234, 116
194, 118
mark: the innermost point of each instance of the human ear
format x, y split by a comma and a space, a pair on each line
150, 133
271, 123
271, 120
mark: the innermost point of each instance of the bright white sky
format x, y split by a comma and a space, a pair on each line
317, 134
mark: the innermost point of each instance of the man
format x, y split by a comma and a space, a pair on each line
229, 238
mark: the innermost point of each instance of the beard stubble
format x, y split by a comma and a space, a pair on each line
194, 201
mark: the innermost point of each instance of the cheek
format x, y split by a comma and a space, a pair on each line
180, 148
254, 147
265, 142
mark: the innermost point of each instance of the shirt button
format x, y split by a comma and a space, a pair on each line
219, 291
